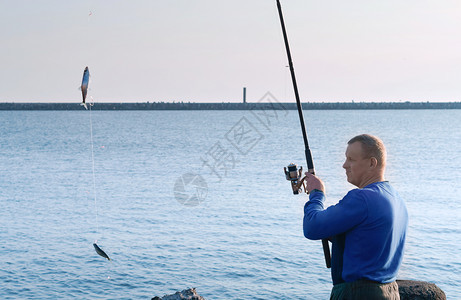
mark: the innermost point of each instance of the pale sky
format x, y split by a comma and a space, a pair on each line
208, 50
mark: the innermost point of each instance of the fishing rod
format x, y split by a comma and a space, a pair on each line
310, 163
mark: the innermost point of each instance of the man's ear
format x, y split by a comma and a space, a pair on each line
373, 162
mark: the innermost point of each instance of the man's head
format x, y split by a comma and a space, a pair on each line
365, 160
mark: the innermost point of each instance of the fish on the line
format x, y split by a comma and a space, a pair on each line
100, 251
84, 86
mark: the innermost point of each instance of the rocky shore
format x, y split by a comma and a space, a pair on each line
408, 289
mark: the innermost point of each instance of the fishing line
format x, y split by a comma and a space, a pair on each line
84, 88
90, 104
93, 171
96, 247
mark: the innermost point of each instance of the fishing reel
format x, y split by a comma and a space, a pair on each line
294, 174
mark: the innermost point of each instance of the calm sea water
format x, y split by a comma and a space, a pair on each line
199, 199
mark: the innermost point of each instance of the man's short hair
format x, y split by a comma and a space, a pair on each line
372, 146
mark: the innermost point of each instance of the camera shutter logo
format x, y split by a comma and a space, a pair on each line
190, 189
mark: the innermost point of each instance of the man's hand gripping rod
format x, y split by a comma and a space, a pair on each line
310, 163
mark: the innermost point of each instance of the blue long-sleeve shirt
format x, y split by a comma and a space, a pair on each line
367, 227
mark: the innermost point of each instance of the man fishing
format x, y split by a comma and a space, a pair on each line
367, 227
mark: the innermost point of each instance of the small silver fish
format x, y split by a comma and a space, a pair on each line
100, 251
84, 86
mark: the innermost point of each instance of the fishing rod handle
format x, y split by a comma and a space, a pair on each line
326, 252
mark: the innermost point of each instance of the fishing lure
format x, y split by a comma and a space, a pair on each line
84, 86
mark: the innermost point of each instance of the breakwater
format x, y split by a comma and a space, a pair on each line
232, 106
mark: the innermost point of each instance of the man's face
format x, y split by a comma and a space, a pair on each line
356, 165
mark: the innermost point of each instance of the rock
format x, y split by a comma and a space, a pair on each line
408, 290
419, 290
187, 294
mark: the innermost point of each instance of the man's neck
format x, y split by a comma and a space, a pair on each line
371, 179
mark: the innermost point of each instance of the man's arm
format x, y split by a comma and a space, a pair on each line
322, 224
